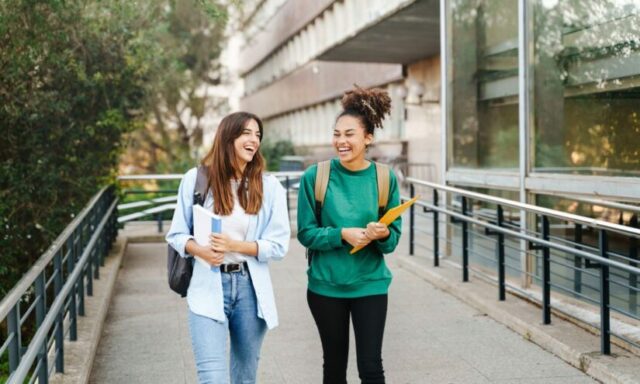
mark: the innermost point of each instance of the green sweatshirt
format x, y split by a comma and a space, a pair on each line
351, 201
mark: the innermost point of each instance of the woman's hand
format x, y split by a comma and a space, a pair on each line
210, 256
355, 236
222, 243
376, 231
204, 252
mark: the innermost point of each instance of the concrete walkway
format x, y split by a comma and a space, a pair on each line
431, 337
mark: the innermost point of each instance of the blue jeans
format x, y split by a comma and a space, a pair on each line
246, 330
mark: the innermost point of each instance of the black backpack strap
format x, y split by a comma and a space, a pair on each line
202, 185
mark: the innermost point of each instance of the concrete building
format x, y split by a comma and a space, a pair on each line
300, 56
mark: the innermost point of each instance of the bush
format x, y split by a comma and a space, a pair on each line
69, 81
273, 152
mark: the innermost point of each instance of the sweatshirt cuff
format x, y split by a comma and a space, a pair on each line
385, 245
335, 238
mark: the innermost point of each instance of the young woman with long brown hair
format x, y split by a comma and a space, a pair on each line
344, 286
232, 296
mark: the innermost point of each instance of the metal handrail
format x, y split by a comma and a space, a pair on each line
542, 241
178, 176
40, 338
284, 176
599, 224
171, 176
577, 252
12, 298
81, 259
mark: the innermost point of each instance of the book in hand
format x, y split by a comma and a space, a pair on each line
390, 217
205, 222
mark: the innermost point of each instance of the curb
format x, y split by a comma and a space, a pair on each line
603, 368
80, 354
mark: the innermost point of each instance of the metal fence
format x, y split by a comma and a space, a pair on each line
161, 202
51, 295
497, 230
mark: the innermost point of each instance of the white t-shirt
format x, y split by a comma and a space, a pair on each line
235, 226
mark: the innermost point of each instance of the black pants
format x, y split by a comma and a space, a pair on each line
332, 318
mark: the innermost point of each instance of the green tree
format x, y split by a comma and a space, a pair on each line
187, 37
76, 76
273, 152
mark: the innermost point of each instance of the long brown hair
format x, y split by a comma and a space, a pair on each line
223, 166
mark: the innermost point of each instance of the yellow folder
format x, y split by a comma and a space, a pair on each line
390, 216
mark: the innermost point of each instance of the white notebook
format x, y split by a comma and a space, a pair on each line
205, 222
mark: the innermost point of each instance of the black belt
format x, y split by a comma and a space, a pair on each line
230, 268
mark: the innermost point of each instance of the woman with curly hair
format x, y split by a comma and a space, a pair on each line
343, 285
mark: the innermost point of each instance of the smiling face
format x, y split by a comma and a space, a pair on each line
247, 144
350, 140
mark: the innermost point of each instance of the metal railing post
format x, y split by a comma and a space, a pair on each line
41, 308
412, 215
13, 328
436, 232
104, 235
287, 191
633, 279
577, 260
500, 251
159, 220
605, 334
546, 274
465, 242
81, 289
73, 310
59, 331
97, 255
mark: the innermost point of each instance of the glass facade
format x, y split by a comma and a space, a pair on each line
484, 63
587, 87
575, 67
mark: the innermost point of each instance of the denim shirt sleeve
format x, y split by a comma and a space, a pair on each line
182, 222
273, 241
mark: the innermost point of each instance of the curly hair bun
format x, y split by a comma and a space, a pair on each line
372, 104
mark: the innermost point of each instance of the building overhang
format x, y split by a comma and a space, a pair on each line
317, 82
409, 35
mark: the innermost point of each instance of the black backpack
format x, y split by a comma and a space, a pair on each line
180, 268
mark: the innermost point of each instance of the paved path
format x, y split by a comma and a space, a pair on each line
431, 337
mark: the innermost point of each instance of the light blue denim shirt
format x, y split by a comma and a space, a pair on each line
269, 228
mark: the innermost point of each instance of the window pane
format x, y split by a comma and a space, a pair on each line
587, 87
485, 83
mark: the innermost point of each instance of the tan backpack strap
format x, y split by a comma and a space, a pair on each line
322, 180
382, 172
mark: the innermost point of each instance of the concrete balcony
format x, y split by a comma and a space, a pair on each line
390, 31
317, 82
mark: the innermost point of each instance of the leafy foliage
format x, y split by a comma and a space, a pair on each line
181, 102
76, 76
273, 152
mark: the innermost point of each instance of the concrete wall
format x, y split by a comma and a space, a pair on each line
422, 126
